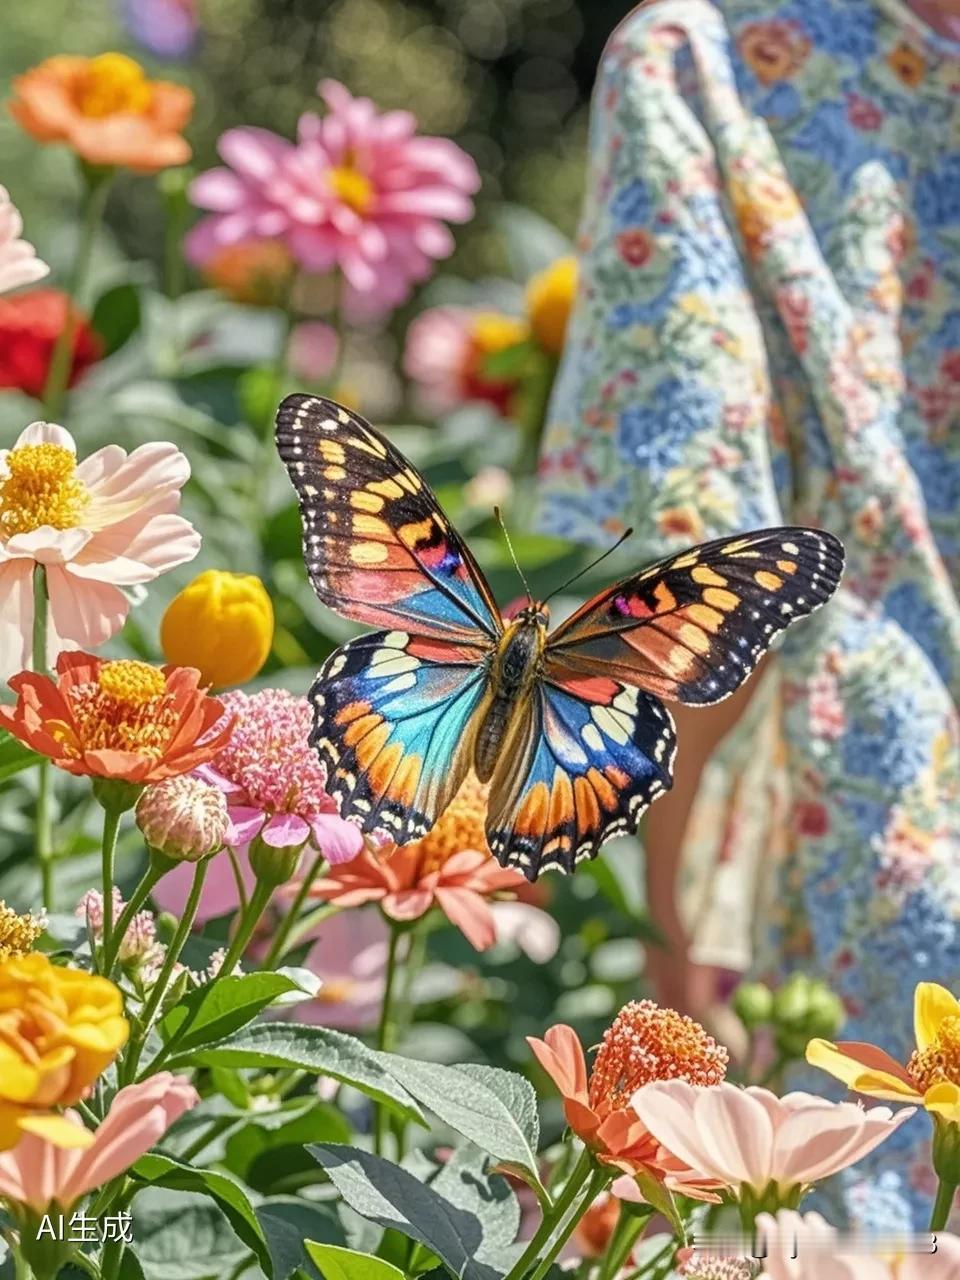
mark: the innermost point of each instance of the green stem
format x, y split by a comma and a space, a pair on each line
213, 1130
946, 1191
111, 826
58, 375
152, 1003
629, 1228
279, 944
386, 1027
44, 823
534, 1251
84, 1263
599, 1180
139, 896
259, 899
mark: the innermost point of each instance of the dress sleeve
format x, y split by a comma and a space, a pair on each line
662, 416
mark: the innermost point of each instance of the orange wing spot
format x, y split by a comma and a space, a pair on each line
362, 500
694, 638
561, 801
684, 562
664, 597
367, 444
732, 548
382, 769
386, 488
617, 776
368, 553
746, 555
769, 581
588, 811
603, 790
411, 535
532, 818
403, 788
360, 728
332, 450
351, 712
368, 526
412, 479
334, 473
370, 747
704, 576
720, 599
591, 688
705, 617
787, 566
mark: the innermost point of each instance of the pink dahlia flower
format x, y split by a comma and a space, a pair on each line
97, 526
18, 262
37, 1174
359, 191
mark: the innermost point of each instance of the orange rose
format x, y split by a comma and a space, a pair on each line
774, 50
106, 110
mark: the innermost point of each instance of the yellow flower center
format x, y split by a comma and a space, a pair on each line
647, 1043
41, 488
939, 1063
125, 709
492, 332
461, 827
18, 933
354, 188
113, 84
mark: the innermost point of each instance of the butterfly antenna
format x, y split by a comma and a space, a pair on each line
513, 556
592, 565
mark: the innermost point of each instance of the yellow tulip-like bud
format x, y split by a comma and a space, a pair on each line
61, 1029
222, 624
549, 299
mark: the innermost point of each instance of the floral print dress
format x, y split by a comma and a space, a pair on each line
767, 332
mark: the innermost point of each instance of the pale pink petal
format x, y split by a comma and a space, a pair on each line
219, 190
16, 616
255, 153
245, 823
285, 831
125, 484
135, 551
83, 614
46, 433
535, 932
47, 545
735, 1133
408, 904
666, 1108
469, 913
337, 840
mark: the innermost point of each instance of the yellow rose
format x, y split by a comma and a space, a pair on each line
222, 624
549, 300
59, 1030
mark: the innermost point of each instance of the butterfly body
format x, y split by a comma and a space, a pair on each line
567, 728
516, 667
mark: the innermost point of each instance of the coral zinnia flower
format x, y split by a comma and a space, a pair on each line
18, 262
39, 1175
124, 719
106, 110
761, 1147
445, 353
931, 1077
98, 525
644, 1043
359, 191
451, 868
30, 324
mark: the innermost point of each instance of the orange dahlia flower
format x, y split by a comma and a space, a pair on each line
121, 719
106, 110
451, 868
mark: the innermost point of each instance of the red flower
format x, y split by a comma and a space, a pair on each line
123, 719
30, 324
635, 246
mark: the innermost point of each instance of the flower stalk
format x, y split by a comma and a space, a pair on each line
157, 867
44, 823
282, 937
539, 1250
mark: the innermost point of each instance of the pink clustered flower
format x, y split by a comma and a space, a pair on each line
359, 192
273, 781
139, 945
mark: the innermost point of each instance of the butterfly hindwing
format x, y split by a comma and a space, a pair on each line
394, 725
588, 759
376, 543
692, 627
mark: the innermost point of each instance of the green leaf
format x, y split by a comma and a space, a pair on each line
287, 1224
393, 1198
162, 1171
509, 362
179, 1236
343, 1264
214, 1011
116, 317
14, 756
274, 1159
320, 1050
495, 1109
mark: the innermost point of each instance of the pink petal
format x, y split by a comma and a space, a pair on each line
408, 904
535, 932
285, 831
46, 433
16, 616
219, 895
469, 913
337, 840
219, 190
666, 1109
47, 545
83, 614
138, 550
245, 823
255, 153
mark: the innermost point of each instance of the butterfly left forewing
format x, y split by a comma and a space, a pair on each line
693, 626
589, 757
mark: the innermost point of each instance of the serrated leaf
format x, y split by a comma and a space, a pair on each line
216, 1010
14, 756
163, 1171
388, 1195
319, 1050
336, 1263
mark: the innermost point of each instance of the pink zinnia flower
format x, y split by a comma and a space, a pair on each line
19, 263
748, 1139
37, 1174
99, 525
350, 958
358, 191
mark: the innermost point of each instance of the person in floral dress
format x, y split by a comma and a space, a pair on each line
768, 331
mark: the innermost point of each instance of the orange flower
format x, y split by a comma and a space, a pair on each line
774, 50
124, 719
450, 868
106, 110
643, 1044
907, 64
256, 272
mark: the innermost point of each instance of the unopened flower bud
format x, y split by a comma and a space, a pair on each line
753, 1004
183, 818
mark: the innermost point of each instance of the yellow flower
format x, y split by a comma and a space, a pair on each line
549, 300
222, 624
18, 933
59, 1030
932, 1075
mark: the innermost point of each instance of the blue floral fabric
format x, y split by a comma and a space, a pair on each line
768, 331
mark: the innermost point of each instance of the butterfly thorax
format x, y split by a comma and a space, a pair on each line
516, 667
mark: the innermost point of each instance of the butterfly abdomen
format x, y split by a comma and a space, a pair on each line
514, 672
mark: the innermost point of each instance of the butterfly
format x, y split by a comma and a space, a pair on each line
568, 727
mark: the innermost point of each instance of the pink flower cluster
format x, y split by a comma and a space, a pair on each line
359, 192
